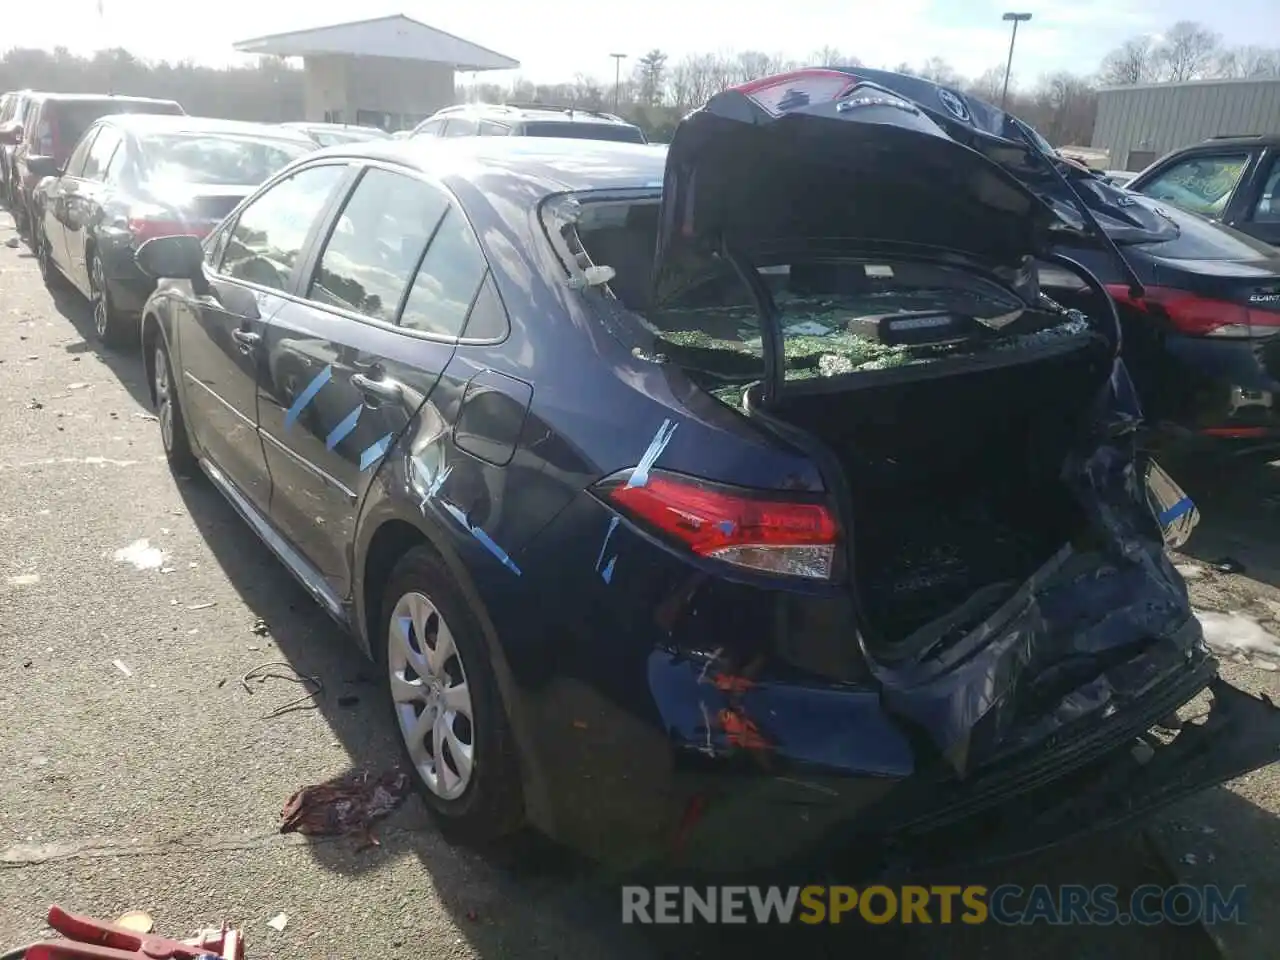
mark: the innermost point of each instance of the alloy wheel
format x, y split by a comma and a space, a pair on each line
164, 398
431, 696
98, 287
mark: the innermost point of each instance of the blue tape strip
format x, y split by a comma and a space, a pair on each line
373, 453
439, 480
342, 429
640, 475
1179, 509
306, 396
481, 537
613, 525
607, 572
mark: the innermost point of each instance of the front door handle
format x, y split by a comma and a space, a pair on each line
247, 339
383, 390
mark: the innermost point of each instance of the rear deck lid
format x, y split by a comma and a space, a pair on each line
820, 155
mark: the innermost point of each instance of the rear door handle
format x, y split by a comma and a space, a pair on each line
247, 339
388, 390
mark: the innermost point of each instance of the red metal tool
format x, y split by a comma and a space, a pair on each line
89, 939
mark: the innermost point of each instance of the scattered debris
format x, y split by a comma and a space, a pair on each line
142, 555
264, 672
348, 700
1189, 571
12, 243
260, 628
222, 683
580, 724
23, 580
76, 386
1240, 639
1189, 859
35, 404
278, 922
122, 667
146, 416
1228, 565
166, 569
26, 664
1208, 831
346, 804
203, 606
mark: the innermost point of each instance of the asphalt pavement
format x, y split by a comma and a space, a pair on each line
142, 774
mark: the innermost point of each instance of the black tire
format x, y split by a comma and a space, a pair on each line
108, 326
173, 427
49, 272
491, 808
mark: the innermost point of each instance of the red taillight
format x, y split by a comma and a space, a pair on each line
1199, 316
143, 229
765, 534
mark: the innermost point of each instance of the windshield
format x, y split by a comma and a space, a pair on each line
618, 132
215, 159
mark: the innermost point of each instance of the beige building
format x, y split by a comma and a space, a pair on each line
391, 72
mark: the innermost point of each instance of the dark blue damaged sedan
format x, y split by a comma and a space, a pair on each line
736, 499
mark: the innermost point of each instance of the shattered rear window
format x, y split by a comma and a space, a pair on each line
846, 317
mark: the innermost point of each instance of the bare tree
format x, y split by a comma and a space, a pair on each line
651, 77
752, 65
832, 57
988, 84
939, 71
1134, 61
1249, 62
1188, 51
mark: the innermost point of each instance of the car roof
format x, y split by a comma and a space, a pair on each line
558, 165
539, 112
321, 125
94, 98
145, 123
1242, 140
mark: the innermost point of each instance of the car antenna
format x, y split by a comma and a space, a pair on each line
1136, 289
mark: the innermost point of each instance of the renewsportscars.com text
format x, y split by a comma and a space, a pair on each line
1065, 905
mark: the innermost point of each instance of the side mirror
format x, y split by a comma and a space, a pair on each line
172, 258
40, 166
10, 134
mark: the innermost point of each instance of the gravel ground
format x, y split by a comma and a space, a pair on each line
143, 775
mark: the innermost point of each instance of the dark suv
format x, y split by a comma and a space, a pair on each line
1234, 180
12, 114
53, 125
818, 519
527, 120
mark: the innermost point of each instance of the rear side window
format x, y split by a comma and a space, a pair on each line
376, 243
491, 128
432, 128
1267, 209
615, 132
448, 280
71, 118
1201, 184
460, 127
268, 237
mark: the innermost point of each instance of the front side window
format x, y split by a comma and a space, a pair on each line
270, 233
376, 243
75, 165
491, 128
432, 128
100, 154
1201, 184
448, 280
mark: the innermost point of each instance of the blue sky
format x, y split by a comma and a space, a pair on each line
556, 41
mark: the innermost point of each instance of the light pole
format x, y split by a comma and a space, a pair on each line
617, 77
1017, 18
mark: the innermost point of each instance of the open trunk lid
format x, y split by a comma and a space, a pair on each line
821, 168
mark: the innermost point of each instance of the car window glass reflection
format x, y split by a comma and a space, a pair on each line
271, 231
447, 283
375, 245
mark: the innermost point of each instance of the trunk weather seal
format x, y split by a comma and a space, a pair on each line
772, 339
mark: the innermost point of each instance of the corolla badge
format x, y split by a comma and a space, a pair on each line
955, 106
